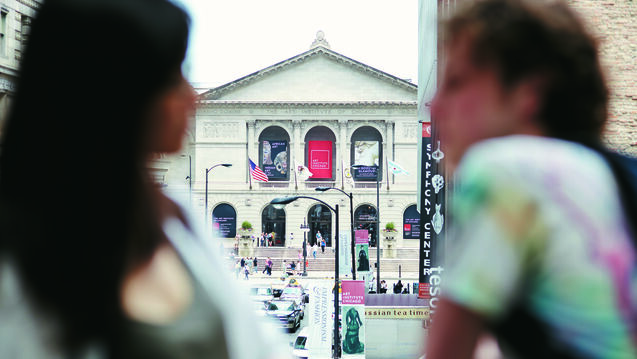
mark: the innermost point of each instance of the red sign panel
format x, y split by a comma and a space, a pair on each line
320, 158
426, 130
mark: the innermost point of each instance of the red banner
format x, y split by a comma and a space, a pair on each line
320, 158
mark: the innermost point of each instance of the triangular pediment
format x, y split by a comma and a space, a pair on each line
317, 75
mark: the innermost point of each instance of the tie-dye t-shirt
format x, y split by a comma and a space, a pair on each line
544, 214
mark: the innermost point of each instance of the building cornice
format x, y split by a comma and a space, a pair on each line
286, 104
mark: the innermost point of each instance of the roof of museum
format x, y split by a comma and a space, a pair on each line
319, 48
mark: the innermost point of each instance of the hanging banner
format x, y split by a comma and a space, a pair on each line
353, 309
362, 250
321, 323
432, 219
320, 158
366, 153
344, 255
275, 159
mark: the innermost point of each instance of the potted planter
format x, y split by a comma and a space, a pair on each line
245, 239
389, 240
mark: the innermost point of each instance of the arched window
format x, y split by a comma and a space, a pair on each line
274, 153
367, 150
320, 220
224, 221
365, 218
411, 223
273, 220
320, 157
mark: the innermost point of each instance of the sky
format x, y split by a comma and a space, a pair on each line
234, 38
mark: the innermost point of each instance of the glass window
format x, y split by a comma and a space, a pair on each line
365, 218
320, 221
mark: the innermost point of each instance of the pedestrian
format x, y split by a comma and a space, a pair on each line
243, 262
314, 250
246, 271
300, 255
323, 245
126, 277
255, 262
398, 287
521, 105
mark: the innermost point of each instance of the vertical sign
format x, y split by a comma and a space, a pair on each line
353, 317
321, 324
320, 158
431, 219
344, 255
362, 250
275, 159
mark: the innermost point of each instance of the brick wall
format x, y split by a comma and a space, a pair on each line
614, 23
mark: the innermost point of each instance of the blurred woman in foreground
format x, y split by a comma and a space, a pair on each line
108, 264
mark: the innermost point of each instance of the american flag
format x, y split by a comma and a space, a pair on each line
257, 173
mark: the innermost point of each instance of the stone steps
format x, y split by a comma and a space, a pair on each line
406, 259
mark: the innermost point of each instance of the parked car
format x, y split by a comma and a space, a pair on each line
288, 312
259, 307
261, 292
300, 345
295, 292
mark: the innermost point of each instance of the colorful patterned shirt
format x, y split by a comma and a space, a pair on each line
538, 220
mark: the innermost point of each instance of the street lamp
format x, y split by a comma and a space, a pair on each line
305, 228
351, 222
377, 223
280, 203
208, 171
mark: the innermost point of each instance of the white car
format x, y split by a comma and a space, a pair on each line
261, 293
300, 345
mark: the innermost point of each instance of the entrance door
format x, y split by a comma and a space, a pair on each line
273, 220
320, 220
365, 218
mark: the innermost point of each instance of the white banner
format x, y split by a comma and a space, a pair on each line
345, 256
321, 323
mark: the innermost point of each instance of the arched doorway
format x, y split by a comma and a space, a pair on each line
224, 221
365, 218
274, 153
320, 157
411, 223
366, 149
320, 220
273, 220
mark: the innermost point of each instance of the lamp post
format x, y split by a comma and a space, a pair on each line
208, 171
280, 203
305, 228
377, 223
351, 223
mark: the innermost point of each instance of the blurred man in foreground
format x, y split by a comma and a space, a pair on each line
542, 256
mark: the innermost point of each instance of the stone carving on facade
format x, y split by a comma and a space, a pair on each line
215, 130
409, 131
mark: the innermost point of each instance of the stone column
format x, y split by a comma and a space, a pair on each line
297, 154
389, 149
343, 154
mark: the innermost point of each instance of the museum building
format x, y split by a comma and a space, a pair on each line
304, 122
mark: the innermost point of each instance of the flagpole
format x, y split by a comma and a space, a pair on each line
387, 170
342, 172
249, 173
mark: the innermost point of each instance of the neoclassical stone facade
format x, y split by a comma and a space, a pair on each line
15, 25
318, 97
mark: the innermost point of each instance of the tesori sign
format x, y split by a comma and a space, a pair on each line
432, 219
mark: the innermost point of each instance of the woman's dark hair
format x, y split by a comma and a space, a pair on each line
524, 39
76, 209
